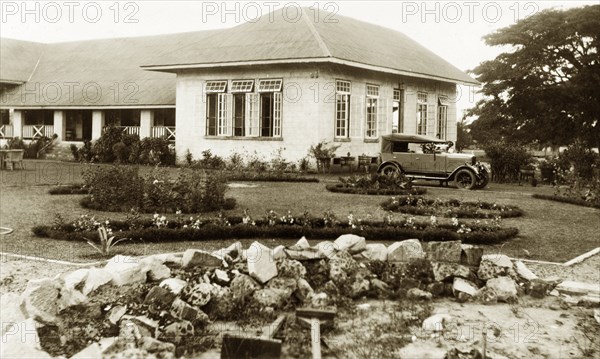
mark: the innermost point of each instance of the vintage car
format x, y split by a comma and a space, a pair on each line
426, 158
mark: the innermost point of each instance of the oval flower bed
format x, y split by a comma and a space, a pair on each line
453, 208
376, 184
160, 229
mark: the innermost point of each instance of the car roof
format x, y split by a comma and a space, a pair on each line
405, 137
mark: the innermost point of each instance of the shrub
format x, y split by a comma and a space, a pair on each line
210, 161
69, 189
34, 149
375, 184
103, 147
582, 159
506, 160
154, 151
115, 186
84, 153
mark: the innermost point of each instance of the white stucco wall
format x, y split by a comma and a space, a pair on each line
308, 109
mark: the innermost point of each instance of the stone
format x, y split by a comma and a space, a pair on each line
380, 286
146, 327
524, 272
279, 252
290, 268
76, 278
487, 295
70, 297
470, 255
182, 310
155, 346
447, 251
418, 294
447, 271
304, 254
159, 299
359, 287
195, 257
243, 286
319, 300
96, 278
40, 300
170, 258
494, 265
175, 285
376, 252
537, 288
155, 270
326, 249
461, 285
22, 341
200, 294
10, 312
304, 290
404, 251
463, 297
116, 313
125, 270
505, 288
271, 297
341, 266
129, 332
578, 288
351, 243
98, 349
232, 254
407, 283
300, 245
435, 323
261, 265
221, 277
174, 332
288, 284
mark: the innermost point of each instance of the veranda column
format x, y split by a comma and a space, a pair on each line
60, 123
146, 122
97, 124
17, 122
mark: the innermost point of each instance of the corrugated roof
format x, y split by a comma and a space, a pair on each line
273, 37
18, 59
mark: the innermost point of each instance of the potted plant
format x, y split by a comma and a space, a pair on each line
323, 153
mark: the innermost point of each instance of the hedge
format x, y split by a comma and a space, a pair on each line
268, 177
340, 188
420, 206
569, 200
69, 189
238, 230
86, 202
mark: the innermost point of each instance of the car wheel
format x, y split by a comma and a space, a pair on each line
465, 179
481, 183
390, 169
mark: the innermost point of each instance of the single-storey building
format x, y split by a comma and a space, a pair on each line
260, 86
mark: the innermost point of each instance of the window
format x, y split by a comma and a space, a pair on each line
371, 107
342, 108
216, 86
270, 107
4, 117
442, 117
211, 114
421, 114
397, 111
242, 86
270, 85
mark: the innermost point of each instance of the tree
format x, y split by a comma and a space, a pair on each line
463, 136
546, 89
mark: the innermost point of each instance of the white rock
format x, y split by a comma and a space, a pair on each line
261, 265
234, 251
125, 270
404, 251
435, 323
376, 252
175, 285
116, 313
75, 278
70, 297
171, 258
40, 300
505, 288
22, 341
155, 270
196, 257
500, 260
326, 249
97, 350
10, 311
524, 272
221, 276
465, 286
350, 242
279, 252
578, 288
96, 278
301, 244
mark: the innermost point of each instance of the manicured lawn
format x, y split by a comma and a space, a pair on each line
550, 231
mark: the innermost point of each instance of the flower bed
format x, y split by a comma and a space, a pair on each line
418, 205
69, 189
268, 177
161, 229
375, 184
569, 200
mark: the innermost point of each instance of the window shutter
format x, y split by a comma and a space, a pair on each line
277, 114
225, 103
431, 115
382, 117
357, 116
251, 114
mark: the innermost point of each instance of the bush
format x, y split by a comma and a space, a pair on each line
417, 205
375, 184
339, 188
83, 154
506, 160
582, 159
34, 149
103, 147
69, 189
120, 188
153, 151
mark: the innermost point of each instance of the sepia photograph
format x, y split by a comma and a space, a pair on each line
299, 179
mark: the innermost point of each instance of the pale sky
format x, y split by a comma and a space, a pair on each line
451, 29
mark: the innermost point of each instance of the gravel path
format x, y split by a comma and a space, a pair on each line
587, 271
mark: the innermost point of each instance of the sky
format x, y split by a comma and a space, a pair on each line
451, 29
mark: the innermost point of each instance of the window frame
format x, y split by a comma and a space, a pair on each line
371, 118
442, 118
213, 88
244, 86
422, 109
261, 89
343, 93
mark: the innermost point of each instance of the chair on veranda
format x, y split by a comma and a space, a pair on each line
14, 157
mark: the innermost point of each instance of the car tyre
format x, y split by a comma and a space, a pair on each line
482, 182
390, 169
465, 179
